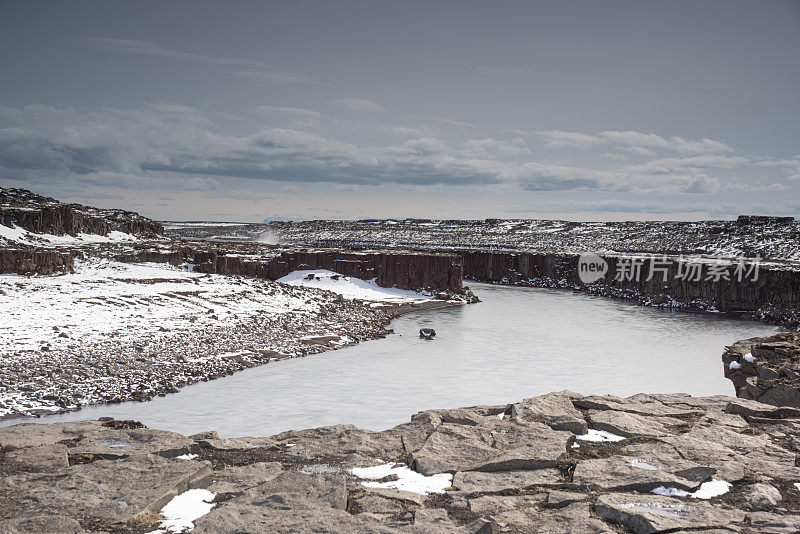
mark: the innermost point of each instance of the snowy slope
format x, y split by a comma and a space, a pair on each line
351, 288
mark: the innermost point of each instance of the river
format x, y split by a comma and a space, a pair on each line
517, 343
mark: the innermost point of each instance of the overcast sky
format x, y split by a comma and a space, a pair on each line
252, 110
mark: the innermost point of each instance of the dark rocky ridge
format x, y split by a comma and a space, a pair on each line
44, 215
519, 473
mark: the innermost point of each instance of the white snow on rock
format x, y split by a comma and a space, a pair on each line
735, 365
21, 236
599, 435
407, 479
182, 511
350, 287
707, 490
670, 492
187, 456
749, 357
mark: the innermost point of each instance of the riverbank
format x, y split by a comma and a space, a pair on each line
114, 332
556, 463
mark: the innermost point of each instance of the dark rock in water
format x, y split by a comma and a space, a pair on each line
427, 333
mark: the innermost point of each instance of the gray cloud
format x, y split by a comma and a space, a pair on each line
637, 142
358, 104
128, 147
249, 68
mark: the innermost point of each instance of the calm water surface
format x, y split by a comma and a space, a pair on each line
517, 343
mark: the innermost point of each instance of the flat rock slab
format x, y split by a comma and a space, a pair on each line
554, 410
629, 424
774, 523
245, 519
41, 523
630, 473
235, 444
117, 443
35, 434
499, 446
573, 518
292, 490
38, 459
639, 404
239, 479
116, 491
492, 504
339, 441
654, 513
481, 482
751, 408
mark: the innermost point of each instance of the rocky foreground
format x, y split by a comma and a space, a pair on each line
557, 463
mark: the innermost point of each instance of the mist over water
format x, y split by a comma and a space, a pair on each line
517, 343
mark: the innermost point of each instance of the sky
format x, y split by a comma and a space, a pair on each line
245, 111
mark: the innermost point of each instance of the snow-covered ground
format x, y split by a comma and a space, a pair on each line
351, 288
19, 236
104, 297
117, 331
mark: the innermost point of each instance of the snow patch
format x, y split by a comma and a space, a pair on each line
407, 479
186, 457
749, 357
599, 435
350, 287
707, 490
182, 511
735, 365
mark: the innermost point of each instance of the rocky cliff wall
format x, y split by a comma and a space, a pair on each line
402, 270
44, 215
35, 261
65, 219
774, 295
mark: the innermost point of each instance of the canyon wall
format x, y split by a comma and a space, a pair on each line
774, 295
404, 270
65, 219
35, 261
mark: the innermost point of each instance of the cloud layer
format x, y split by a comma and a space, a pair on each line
187, 143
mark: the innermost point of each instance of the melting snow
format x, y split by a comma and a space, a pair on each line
181, 512
186, 457
350, 287
749, 357
599, 435
707, 490
735, 365
407, 479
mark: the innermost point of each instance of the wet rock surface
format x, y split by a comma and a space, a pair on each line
766, 370
728, 467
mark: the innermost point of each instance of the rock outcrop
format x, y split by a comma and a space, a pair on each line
35, 261
684, 464
766, 369
44, 215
